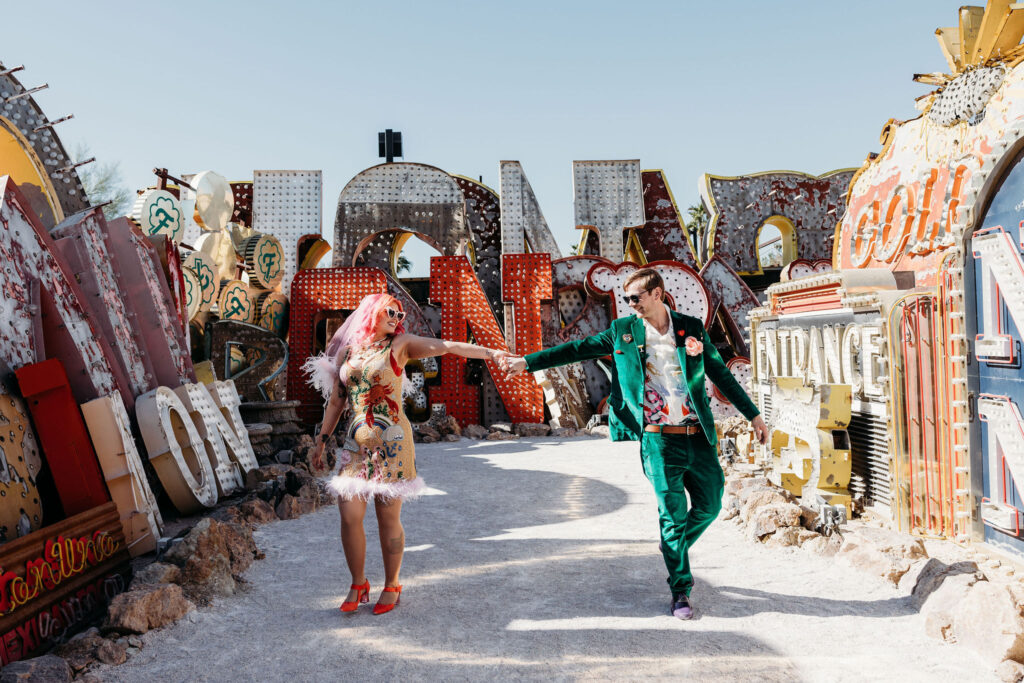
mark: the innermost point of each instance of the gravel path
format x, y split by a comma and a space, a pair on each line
538, 559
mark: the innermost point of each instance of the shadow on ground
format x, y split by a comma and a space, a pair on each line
479, 609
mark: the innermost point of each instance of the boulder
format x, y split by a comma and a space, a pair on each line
600, 431
564, 432
112, 653
157, 572
735, 482
826, 546
769, 518
529, 429
426, 431
45, 669
208, 576
937, 608
80, 651
475, 432
808, 517
429, 439
988, 621
759, 497
265, 473
452, 438
295, 480
502, 427
785, 537
257, 511
1010, 671
882, 552
209, 538
928, 575
502, 436
289, 507
146, 607
451, 427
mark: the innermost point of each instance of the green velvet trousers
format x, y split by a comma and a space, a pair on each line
677, 465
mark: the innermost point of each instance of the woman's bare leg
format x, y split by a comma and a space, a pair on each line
353, 540
392, 544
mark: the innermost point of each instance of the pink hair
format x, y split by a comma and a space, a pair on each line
357, 330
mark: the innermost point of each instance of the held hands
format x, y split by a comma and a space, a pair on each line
760, 430
510, 364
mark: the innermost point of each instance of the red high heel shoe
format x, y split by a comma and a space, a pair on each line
363, 595
384, 609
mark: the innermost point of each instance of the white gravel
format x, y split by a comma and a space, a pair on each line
538, 559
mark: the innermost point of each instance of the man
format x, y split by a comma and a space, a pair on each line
658, 398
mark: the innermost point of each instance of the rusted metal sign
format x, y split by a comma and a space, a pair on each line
608, 196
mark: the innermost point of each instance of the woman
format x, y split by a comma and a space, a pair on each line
363, 368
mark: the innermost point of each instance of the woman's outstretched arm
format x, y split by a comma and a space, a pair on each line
413, 347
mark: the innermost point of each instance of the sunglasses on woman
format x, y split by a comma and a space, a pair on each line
631, 299
395, 315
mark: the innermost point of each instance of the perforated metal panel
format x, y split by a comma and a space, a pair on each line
609, 196
521, 218
288, 205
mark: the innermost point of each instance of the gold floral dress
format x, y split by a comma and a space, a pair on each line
377, 458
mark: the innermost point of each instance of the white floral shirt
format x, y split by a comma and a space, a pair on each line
666, 400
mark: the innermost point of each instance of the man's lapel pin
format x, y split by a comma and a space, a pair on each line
627, 338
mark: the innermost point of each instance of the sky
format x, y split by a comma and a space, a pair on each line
726, 88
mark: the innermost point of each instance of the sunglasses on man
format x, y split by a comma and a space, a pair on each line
395, 315
631, 299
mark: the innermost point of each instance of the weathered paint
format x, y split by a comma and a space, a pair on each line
663, 236
740, 206
609, 197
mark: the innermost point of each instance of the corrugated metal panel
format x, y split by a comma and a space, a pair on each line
869, 450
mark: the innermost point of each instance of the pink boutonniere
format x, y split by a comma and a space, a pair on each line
694, 347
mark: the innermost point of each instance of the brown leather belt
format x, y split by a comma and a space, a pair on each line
672, 429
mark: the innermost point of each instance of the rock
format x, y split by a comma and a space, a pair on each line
80, 651
452, 438
826, 546
882, 552
769, 518
475, 432
600, 431
257, 511
112, 653
734, 484
289, 507
564, 432
146, 607
428, 439
426, 431
808, 516
295, 480
48, 669
728, 513
211, 555
451, 427
157, 572
731, 503
928, 575
265, 473
988, 621
1010, 671
531, 429
937, 608
502, 427
804, 535
785, 537
502, 436
759, 497
135, 641
210, 576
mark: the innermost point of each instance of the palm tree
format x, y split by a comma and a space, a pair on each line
697, 224
402, 264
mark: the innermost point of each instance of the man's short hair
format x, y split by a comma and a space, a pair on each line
648, 278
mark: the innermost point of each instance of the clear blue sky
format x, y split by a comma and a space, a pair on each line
719, 87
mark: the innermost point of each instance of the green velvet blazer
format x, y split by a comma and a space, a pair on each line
625, 342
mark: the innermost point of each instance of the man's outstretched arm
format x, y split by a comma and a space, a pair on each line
596, 346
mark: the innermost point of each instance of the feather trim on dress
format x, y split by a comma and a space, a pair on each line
356, 487
322, 373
